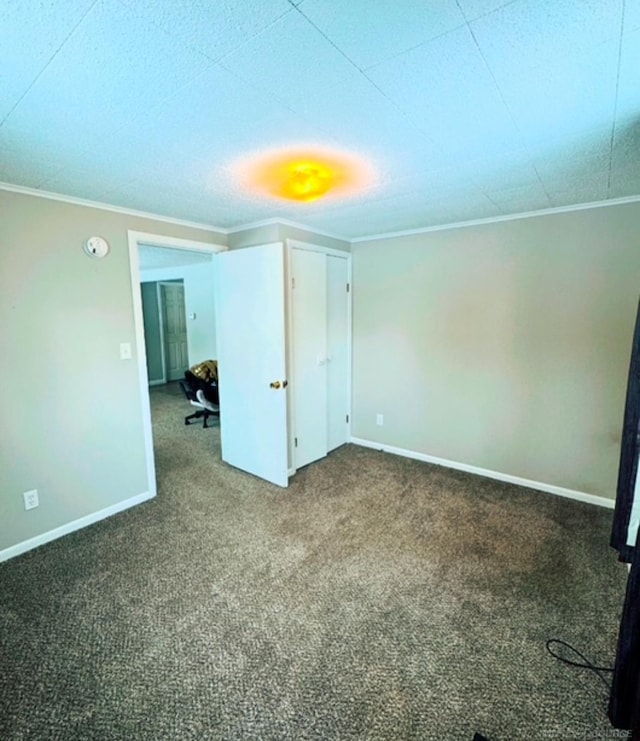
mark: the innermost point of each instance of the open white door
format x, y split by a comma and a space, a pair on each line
250, 324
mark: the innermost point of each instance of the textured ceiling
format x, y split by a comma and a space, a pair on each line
465, 108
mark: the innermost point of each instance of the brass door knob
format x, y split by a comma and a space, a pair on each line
278, 384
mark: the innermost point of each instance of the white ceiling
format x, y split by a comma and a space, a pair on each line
466, 108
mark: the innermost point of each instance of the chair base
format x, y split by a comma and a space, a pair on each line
203, 414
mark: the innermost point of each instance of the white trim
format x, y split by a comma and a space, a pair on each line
312, 230
350, 348
288, 350
285, 222
159, 382
253, 225
508, 478
70, 527
497, 219
157, 240
141, 355
310, 247
107, 207
147, 239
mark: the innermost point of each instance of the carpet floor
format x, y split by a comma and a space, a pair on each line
375, 598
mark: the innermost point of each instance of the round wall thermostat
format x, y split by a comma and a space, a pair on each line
96, 247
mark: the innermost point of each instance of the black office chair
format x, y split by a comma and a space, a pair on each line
201, 395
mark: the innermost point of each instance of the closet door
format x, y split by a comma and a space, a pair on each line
309, 342
338, 351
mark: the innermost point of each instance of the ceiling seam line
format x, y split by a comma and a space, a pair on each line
506, 105
493, 77
326, 38
51, 58
244, 42
615, 100
212, 64
486, 13
416, 46
363, 71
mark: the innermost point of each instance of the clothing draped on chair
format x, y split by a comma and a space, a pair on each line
624, 701
200, 386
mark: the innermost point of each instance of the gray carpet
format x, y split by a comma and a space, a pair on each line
376, 598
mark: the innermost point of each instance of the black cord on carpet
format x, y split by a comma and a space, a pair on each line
586, 664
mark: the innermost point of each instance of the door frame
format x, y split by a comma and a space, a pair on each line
290, 244
136, 238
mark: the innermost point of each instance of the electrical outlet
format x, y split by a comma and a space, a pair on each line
379, 419
31, 499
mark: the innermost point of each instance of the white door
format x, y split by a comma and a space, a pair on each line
174, 328
250, 323
309, 343
337, 351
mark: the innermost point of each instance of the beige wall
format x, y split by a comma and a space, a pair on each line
71, 422
254, 236
321, 240
503, 346
276, 232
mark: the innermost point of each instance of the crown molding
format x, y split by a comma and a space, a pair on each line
253, 225
297, 225
75, 201
287, 222
498, 219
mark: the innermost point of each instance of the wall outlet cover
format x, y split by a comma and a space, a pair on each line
31, 499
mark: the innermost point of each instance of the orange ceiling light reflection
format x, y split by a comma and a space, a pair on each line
305, 175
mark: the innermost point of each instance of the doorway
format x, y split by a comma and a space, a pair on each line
139, 241
258, 276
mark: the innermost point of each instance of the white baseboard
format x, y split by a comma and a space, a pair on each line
158, 382
70, 527
548, 488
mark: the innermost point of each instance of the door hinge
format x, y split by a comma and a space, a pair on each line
347, 417
348, 287
295, 440
293, 282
